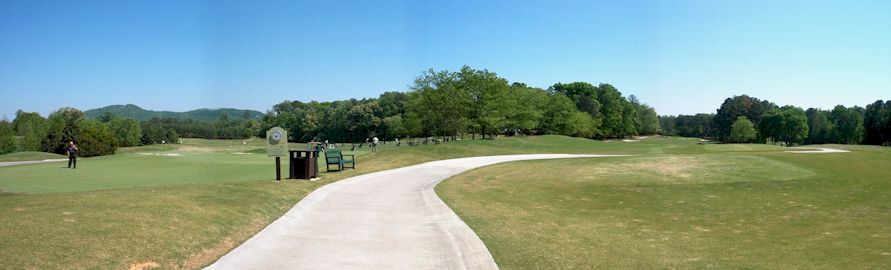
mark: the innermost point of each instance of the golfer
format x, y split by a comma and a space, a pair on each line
374, 144
71, 150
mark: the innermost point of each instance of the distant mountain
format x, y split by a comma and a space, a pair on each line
133, 111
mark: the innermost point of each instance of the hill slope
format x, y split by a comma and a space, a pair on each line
141, 114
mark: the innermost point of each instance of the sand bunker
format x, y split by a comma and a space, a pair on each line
623, 140
816, 150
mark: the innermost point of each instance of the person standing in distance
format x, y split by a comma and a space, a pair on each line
374, 144
71, 150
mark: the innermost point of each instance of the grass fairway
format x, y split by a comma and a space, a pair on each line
184, 206
679, 204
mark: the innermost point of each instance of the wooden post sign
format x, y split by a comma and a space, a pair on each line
277, 146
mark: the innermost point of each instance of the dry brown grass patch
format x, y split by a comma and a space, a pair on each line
207, 256
680, 167
144, 265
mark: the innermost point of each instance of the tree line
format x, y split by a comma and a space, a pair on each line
32, 132
468, 102
102, 136
742, 119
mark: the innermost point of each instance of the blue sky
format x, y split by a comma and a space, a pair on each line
682, 57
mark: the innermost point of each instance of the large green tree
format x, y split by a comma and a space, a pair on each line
333, 125
443, 103
441, 106
876, 119
302, 120
736, 106
32, 128
787, 125
742, 130
64, 126
363, 120
648, 120
526, 107
582, 125
127, 131
583, 94
558, 116
488, 102
97, 139
699, 125
7, 137
847, 125
819, 126
630, 120
394, 127
93, 137
668, 125
613, 109
885, 129
392, 103
157, 131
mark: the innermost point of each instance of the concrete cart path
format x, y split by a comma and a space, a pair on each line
386, 220
13, 163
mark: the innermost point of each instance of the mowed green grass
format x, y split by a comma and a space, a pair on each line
190, 163
218, 161
684, 205
184, 206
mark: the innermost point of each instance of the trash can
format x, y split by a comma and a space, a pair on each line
303, 164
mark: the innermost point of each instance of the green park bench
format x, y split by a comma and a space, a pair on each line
335, 157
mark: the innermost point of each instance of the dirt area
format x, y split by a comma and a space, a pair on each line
681, 167
144, 265
208, 256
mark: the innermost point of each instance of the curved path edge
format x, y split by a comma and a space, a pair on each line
390, 219
26, 162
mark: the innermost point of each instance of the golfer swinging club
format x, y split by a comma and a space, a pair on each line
71, 150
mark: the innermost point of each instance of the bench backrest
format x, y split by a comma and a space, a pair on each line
333, 155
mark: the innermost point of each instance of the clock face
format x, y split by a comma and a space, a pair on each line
276, 137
